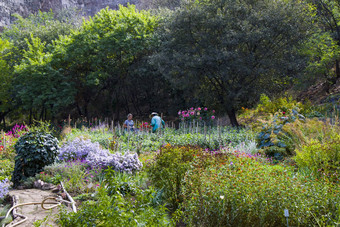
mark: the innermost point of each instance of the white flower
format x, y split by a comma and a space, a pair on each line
222, 196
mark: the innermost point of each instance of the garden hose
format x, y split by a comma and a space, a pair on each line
58, 201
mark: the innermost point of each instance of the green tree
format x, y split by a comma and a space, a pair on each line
324, 47
6, 80
101, 56
40, 85
229, 52
32, 38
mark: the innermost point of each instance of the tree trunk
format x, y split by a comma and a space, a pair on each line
232, 116
337, 70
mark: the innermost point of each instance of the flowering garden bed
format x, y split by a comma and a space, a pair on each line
215, 178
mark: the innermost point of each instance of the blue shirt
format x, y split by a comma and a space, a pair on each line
129, 124
156, 123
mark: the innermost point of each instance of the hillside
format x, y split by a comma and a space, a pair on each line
26, 7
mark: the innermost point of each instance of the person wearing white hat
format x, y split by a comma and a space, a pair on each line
156, 122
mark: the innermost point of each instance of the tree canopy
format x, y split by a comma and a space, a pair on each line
230, 52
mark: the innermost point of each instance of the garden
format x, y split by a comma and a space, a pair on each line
249, 92
194, 175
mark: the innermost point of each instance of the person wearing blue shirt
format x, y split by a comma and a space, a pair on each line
156, 122
128, 124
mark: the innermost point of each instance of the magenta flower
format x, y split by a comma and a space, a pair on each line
200, 118
213, 117
205, 109
192, 113
213, 111
199, 108
192, 108
179, 112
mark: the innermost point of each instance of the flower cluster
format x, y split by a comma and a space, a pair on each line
4, 185
121, 163
196, 114
95, 156
17, 131
79, 148
145, 125
1, 148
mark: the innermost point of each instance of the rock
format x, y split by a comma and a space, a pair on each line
38, 184
26, 7
47, 186
56, 189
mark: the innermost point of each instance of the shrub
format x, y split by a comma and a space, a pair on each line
246, 192
283, 104
35, 150
169, 168
78, 148
76, 175
273, 140
323, 158
127, 162
6, 169
119, 203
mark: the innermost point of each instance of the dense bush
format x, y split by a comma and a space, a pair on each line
95, 156
168, 170
283, 104
272, 140
35, 150
78, 148
323, 158
244, 191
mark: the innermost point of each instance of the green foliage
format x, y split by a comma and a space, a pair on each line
76, 176
246, 192
168, 170
145, 142
35, 150
322, 158
6, 169
47, 26
200, 54
283, 104
322, 51
122, 184
274, 141
5, 76
116, 209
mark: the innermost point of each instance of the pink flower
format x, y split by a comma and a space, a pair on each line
192, 113
199, 108
213, 117
179, 112
182, 119
284, 112
183, 112
187, 115
205, 109
192, 108
213, 111
200, 118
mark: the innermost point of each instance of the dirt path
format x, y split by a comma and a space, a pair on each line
34, 212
